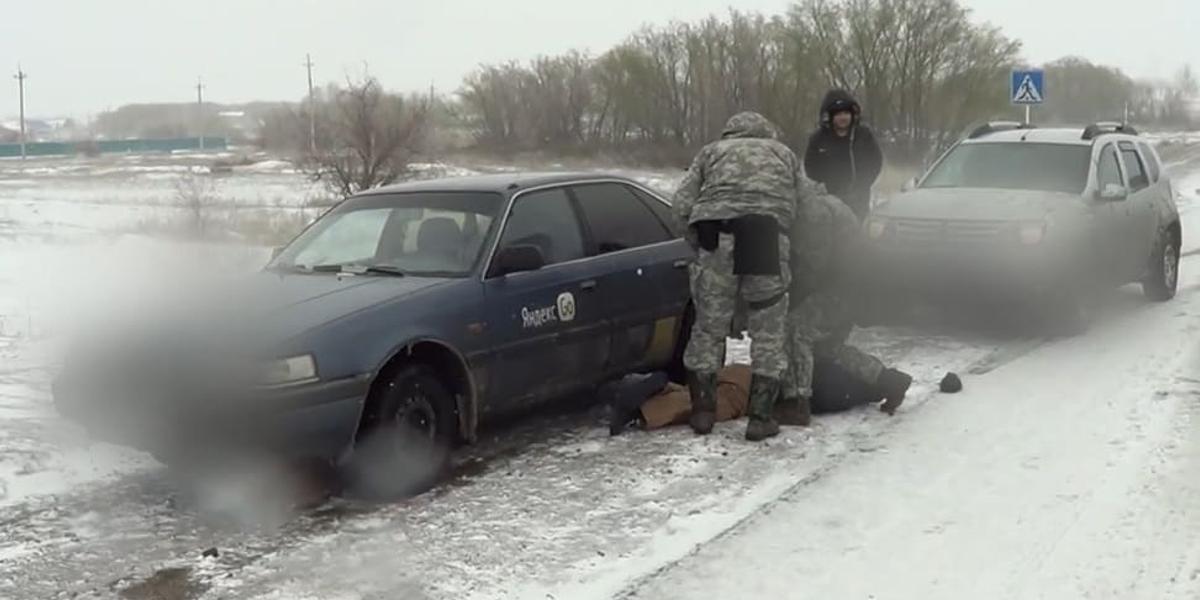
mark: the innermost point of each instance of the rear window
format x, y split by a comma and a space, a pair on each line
1015, 166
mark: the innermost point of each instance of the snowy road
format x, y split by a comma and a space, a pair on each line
1073, 472
1068, 469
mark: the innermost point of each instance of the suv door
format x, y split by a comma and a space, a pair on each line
645, 288
1143, 220
1110, 238
546, 327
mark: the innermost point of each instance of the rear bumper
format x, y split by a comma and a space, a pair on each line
315, 421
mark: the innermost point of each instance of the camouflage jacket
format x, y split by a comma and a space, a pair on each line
825, 239
746, 172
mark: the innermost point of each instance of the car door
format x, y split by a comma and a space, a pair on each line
1111, 246
1143, 221
546, 327
644, 289
1162, 197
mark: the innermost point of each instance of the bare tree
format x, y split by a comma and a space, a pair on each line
369, 137
197, 195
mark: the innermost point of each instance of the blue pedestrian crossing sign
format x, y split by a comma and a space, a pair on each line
1028, 87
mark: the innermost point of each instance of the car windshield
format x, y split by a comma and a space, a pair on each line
431, 234
1014, 166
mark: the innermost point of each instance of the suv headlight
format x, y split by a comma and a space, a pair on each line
1033, 233
288, 371
876, 227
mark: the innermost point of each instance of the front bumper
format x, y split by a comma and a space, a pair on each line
314, 421
954, 273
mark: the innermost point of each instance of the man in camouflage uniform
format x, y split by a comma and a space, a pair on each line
825, 237
737, 204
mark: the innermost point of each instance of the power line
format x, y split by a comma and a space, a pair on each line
21, 76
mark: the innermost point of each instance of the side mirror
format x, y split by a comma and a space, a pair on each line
909, 185
518, 259
276, 251
1112, 192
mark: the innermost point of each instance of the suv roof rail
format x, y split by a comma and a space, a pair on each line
1105, 127
995, 126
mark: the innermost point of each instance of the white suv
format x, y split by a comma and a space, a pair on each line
1047, 213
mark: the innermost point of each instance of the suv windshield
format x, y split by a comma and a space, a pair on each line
1017, 166
433, 234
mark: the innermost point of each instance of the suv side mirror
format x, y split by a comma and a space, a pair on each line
1112, 193
517, 259
909, 185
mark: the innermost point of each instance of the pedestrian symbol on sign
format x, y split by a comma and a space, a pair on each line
1027, 93
1028, 87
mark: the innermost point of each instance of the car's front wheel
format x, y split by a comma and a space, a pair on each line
406, 437
1163, 278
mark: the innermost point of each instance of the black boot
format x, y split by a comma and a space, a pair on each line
625, 398
764, 391
794, 412
893, 386
703, 389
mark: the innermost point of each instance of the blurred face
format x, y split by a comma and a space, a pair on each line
842, 120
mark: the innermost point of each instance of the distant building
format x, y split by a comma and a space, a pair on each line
240, 124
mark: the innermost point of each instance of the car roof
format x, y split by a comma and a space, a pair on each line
1061, 135
503, 183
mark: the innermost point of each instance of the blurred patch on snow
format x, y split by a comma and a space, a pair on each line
440, 171
267, 166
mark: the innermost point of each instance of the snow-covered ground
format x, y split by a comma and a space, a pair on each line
1067, 468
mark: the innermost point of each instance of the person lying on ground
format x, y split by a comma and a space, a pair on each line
650, 402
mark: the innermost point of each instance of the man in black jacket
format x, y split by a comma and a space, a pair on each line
843, 153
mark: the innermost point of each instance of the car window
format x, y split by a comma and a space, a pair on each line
545, 219
438, 234
661, 210
1024, 166
1109, 171
349, 238
1134, 167
1152, 164
617, 219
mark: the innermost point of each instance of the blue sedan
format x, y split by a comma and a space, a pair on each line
418, 310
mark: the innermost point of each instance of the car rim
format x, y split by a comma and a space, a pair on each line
1170, 266
416, 414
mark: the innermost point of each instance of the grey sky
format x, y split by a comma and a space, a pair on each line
84, 56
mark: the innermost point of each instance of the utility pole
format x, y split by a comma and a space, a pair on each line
312, 107
200, 109
20, 77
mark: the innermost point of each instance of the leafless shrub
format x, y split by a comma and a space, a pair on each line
197, 195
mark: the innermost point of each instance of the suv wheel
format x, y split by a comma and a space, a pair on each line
404, 445
1163, 280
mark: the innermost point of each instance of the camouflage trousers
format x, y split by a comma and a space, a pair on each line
717, 292
818, 327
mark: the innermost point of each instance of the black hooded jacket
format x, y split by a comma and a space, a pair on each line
848, 166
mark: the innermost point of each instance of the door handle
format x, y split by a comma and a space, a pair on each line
681, 263
588, 285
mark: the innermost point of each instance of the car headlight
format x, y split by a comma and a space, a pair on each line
1032, 234
288, 371
876, 227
